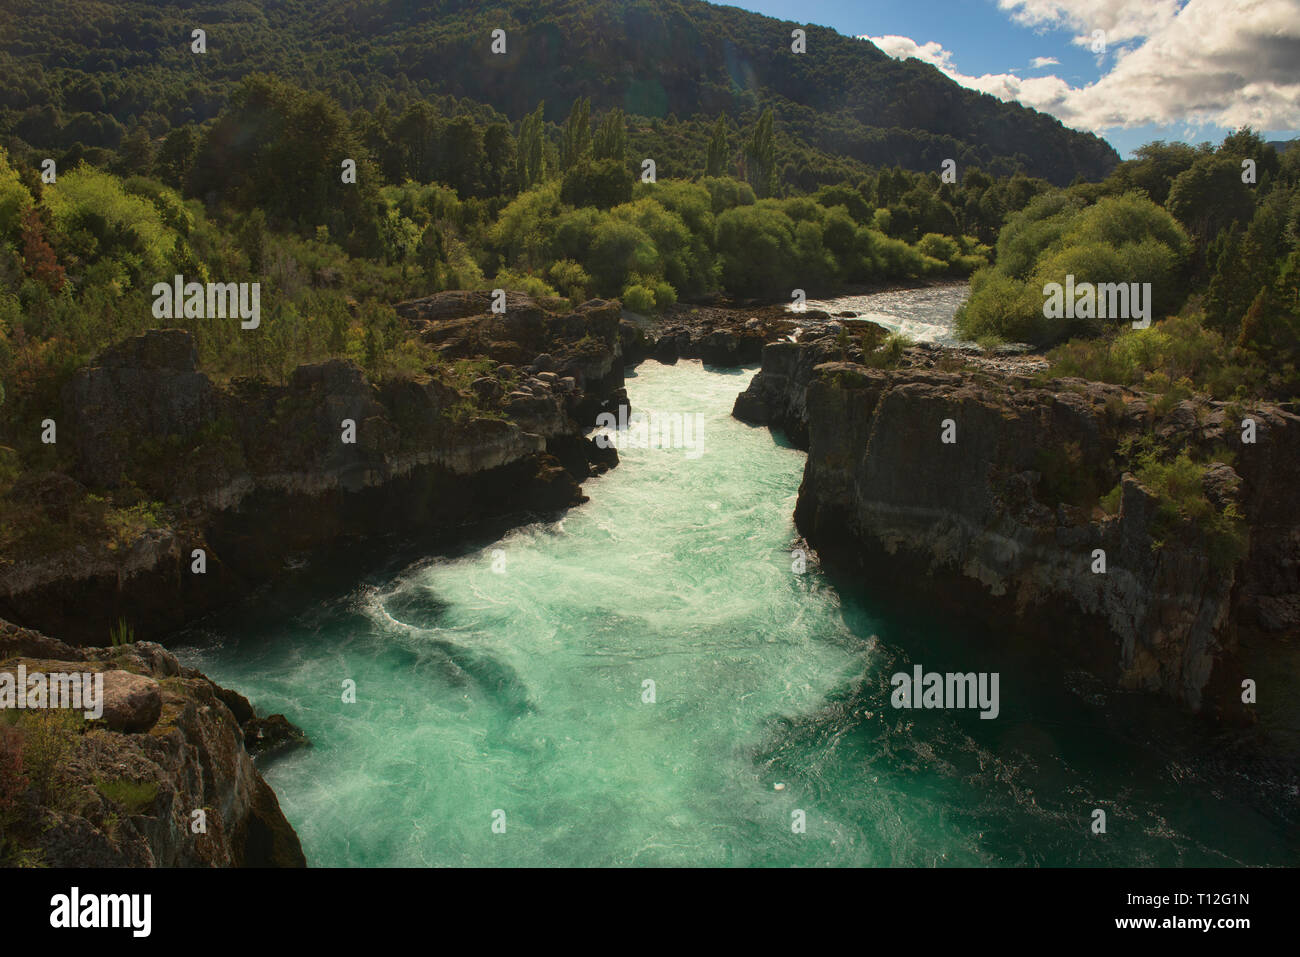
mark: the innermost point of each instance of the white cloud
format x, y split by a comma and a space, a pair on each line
1200, 62
1039, 62
1122, 20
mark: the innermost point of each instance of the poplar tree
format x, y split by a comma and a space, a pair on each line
531, 162
717, 149
610, 141
760, 157
577, 135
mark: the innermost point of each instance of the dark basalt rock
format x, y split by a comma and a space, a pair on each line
1000, 527
147, 387
272, 735
260, 472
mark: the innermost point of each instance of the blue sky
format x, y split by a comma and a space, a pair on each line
1187, 70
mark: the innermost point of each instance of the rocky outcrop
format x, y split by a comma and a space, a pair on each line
162, 780
532, 338
143, 390
988, 494
716, 335
252, 474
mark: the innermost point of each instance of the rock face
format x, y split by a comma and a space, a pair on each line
146, 388
123, 792
718, 336
1002, 523
253, 473
273, 734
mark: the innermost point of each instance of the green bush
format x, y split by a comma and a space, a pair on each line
1121, 239
569, 278
526, 283
49, 736
665, 295
1178, 484
938, 247
638, 298
1002, 307
135, 797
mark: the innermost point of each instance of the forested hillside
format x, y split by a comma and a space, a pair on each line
1219, 247
88, 73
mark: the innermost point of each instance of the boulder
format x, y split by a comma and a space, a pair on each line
132, 703
273, 734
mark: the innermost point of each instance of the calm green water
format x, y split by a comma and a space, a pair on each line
521, 690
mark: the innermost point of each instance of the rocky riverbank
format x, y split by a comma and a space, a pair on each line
163, 779
982, 487
1002, 523
252, 478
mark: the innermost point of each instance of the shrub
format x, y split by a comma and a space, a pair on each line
938, 247
49, 735
13, 780
637, 298
135, 797
527, 283
890, 351
569, 278
619, 249
601, 183
1178, 485
665, 295
1002, 307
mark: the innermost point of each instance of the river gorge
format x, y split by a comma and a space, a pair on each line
665, 675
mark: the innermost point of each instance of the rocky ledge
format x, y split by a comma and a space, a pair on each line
993, 492
252, 476
162, 779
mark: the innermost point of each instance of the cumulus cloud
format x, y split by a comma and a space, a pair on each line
1042, 93
1225, 63
1039, 62
1122, 20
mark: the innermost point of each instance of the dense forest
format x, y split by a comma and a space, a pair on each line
93, 74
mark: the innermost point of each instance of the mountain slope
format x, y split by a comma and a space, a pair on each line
78, 71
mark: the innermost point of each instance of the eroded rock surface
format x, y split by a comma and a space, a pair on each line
124, 791
1002, 524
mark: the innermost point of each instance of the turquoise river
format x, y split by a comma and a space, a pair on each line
513, 677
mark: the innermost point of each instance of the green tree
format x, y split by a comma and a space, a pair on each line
601, 183
462, 157
415, 137
498, 158
718, 151
576, 142
531, 164
176, 156
610, 140
1210, 196
760, 157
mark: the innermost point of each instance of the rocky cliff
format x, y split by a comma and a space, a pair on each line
995, 493
163, 779
250, 475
